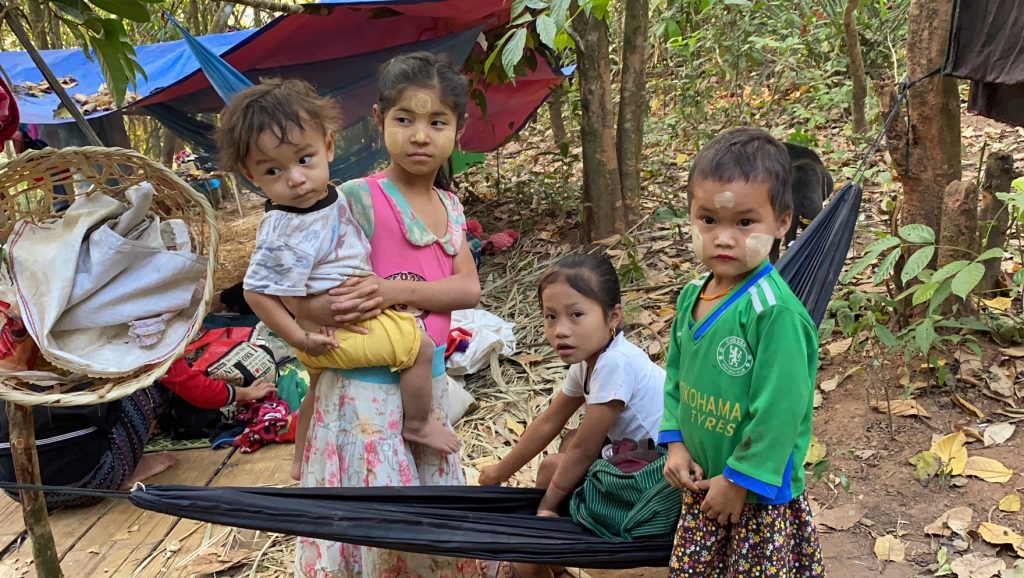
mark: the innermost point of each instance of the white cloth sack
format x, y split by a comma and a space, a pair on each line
460, 401
83, 277
490, 334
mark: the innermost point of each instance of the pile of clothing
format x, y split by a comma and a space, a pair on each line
104, 289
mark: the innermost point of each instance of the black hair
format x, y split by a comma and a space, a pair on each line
425, 70
746, 154
592, 276
275, 105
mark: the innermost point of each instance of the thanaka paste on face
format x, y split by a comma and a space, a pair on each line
724, 199
421, 104
445, 140
758, 246
698, 243
393, 139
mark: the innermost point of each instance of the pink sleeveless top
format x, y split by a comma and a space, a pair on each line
401, 246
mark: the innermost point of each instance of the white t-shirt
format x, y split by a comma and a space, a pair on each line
623, 372
307, 251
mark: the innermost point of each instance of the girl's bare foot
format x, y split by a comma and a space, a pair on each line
431, 434
151, 465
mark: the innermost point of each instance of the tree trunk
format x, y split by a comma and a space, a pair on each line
993, 218
170, 144
193, 18
33, 505
629, 143
603, 208
220, 21
860, 88
37, 22
896, 140
959, 222
53, 25
556, 110
934, 116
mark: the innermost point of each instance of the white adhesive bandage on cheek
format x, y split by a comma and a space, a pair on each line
724, 199
698, 242
758, 246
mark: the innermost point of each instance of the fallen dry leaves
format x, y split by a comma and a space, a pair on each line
842, 517
953, 452
889, 548
954, 521
987, 469
1010, 503
902, 407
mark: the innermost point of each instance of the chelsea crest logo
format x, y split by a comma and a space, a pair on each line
734, 356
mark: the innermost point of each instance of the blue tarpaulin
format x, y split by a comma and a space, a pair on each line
337, 49
165, 63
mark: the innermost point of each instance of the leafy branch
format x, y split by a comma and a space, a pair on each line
106, 37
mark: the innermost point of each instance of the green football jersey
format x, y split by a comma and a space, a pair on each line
739, 390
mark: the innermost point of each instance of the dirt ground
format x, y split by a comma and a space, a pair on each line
884, 484
859, 444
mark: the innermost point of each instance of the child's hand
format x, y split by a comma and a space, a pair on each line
319, 343
356, 299
491, 475
725, 500
258, 390
680, 469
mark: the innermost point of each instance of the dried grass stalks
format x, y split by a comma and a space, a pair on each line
531, 376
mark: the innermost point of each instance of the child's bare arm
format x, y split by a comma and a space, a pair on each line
581, 453
459, 291
272, 312
537, 436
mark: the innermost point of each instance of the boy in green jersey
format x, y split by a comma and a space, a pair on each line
740, 375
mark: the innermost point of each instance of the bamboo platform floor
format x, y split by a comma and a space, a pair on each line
116, 539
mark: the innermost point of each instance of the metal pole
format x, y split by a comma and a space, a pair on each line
19, 32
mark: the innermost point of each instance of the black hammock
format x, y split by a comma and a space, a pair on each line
491, 523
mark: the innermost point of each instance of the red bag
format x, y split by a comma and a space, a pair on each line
230, 355
9, 116
17, 350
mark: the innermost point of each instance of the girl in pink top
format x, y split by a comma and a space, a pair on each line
422, 264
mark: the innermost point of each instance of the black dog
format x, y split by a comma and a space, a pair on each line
812, 184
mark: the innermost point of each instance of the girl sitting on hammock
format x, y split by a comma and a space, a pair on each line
619, 386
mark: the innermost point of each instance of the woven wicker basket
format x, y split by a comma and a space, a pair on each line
29, 187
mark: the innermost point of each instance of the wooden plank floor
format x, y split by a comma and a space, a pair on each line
114, 538
176, 556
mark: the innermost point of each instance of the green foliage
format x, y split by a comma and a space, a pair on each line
1014, 200
534, 23
675, 217
631, 269
106, 37
739, 61
934, 329
536, 26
